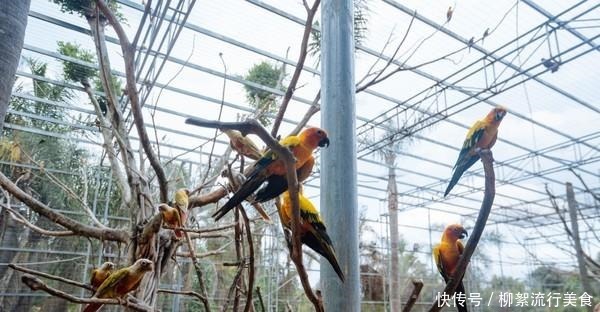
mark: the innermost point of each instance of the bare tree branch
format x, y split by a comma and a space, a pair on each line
484, 212
50, 276
299, 66
36, 284
183, 292
198, 271
136, 110
58, 218
15, 215
252, 126
414, 295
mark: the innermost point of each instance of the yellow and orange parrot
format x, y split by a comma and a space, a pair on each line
277, 184
272, 170
101, 273
121, 282
482, 135
171, 217
182, 201
446, 255
243, 145
313, 232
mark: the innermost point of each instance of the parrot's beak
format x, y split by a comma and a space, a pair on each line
324, 142
463, 234
500, 115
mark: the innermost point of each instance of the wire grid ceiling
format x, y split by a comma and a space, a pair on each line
189, 48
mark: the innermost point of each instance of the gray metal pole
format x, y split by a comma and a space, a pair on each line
338, 166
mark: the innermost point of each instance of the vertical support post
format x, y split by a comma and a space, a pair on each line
338, 162
572, 203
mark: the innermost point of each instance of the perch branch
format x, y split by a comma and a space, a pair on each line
183, 292
209, 198
36, 284
136, 110
200, 255
20, 219
249, 304
50, 276
414, 295
299, 65
484, 212
198, 270
252, 126
60, 219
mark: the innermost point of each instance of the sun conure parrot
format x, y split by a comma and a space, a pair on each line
482, 135
101, 273
446, 255
121, 282
272, 170
181, 203
313, 232
277, 184
171, 217
243, 145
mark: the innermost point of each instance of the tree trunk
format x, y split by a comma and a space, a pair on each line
13, 21
395, 304
585, 282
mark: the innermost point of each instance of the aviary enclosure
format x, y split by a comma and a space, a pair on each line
335, 155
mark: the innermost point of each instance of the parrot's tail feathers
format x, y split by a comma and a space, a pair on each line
92, 307
459, 169
322, 245
462, 305
245, 190
275, 186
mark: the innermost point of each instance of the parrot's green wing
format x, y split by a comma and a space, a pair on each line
110, 282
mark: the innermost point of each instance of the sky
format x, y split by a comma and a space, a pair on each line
540, 118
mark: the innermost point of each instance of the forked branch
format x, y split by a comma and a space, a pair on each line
484, 212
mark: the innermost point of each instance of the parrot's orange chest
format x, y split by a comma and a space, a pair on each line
450, 254
99, 277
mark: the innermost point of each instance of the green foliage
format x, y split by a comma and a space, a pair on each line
116, 84
360, 28
267, 75
86, 8
73, 71
43, 90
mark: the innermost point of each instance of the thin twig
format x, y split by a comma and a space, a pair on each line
252, 126
35, 283
138, 118
52, 277
198, 270
587, 189
20, 219
60, 219
299, 66
484, 212
182, 292
251, 268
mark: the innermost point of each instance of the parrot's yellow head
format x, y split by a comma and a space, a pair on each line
107, 266
497, 114
144, 265
164, 208
315, 137
455, 231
